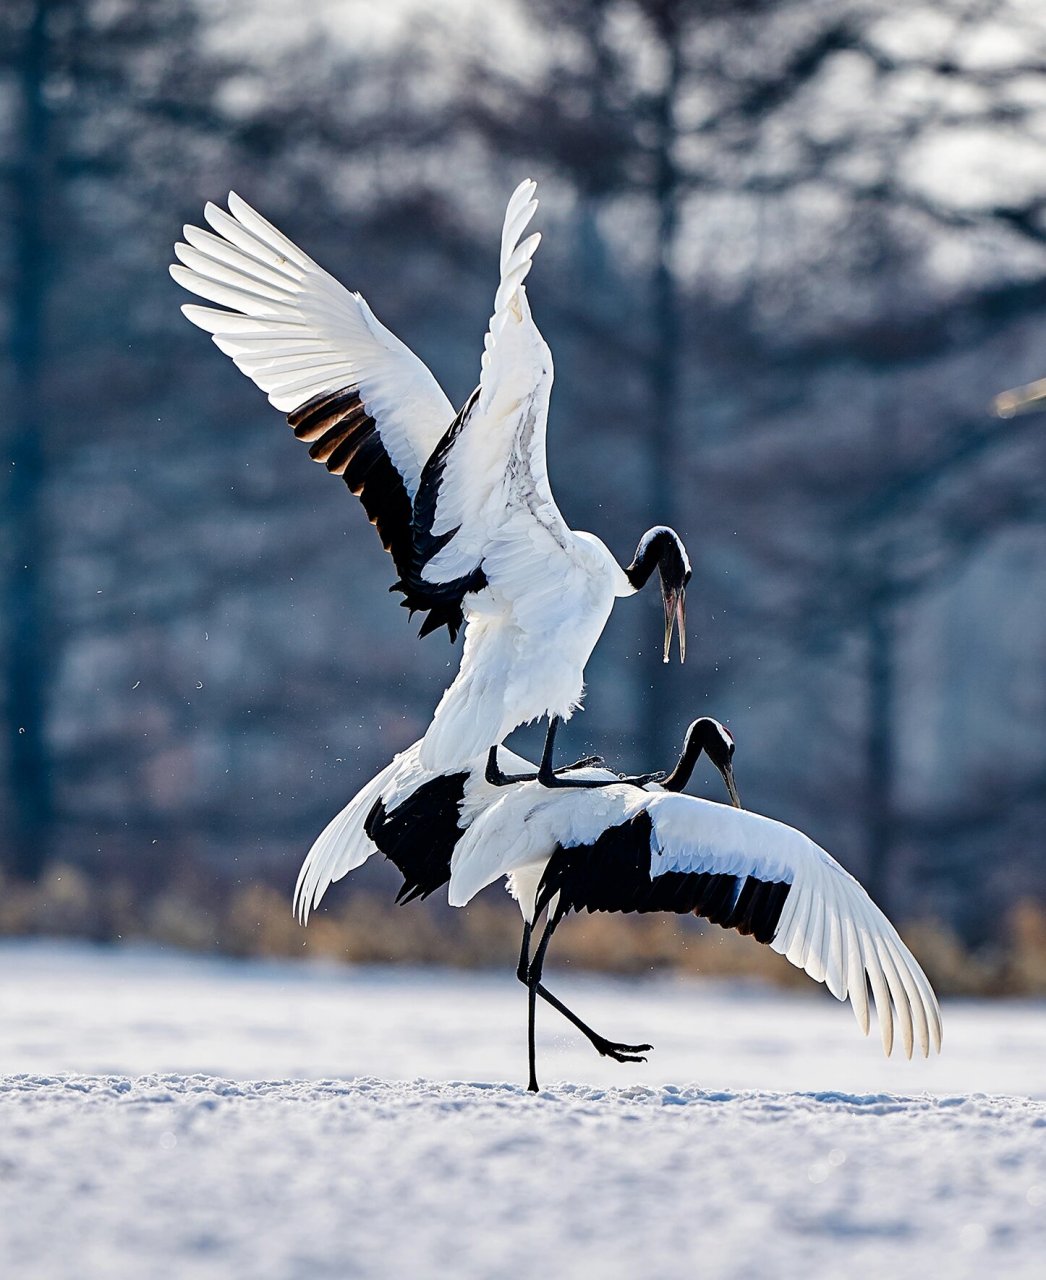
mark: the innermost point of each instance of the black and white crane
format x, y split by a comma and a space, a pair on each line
626, 849
461, 501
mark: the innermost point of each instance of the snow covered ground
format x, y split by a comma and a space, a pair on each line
170, 1116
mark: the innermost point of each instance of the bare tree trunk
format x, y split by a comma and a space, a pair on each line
29, 794
881, 641
879, 760
660, 686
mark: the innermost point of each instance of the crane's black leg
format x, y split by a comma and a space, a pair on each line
549, 777
493, 773
496, 778
531, 975
532, 1001
524, 954
607, 1048
521, 973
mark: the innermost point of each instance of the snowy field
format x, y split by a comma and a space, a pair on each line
169, 1116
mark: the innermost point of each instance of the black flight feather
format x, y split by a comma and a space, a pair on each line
419, 835
345, 438
613, 874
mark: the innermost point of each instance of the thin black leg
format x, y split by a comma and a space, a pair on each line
493, 772
532, 1084
608, 1048
538, 963
523, 968
550, 745
549, 777
497, 778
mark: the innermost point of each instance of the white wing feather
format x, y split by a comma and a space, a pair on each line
494, 497
825, 906
494, 490
297, 333
343, 845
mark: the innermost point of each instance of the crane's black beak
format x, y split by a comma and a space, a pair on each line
728, 777
675, 612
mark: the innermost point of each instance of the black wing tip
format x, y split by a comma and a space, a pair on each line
409, 892
449, 616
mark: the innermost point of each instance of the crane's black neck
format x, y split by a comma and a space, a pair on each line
659, 548
704, 737
681, 774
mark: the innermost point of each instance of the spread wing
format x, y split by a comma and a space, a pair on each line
622, 849
368, 408
485, 501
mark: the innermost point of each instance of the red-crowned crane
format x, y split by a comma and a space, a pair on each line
461, 501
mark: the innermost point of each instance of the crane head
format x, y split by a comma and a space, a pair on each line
664, 548
717, 742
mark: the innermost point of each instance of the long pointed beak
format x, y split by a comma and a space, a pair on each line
728, 778
675, 612
681, 619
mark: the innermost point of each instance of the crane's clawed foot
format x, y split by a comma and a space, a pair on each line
496, 778
549, 778
586, 762
621, 1052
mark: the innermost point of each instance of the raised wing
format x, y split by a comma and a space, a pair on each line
369, 409
626, 850
485, 492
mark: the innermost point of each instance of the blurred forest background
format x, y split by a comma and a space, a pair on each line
792, 250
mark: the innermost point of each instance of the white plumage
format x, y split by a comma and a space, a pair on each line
297, 333
828, 925
477, 535
550, 590
344, 844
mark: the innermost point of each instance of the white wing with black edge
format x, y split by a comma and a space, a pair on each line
528, 821
368, 408
620, 849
